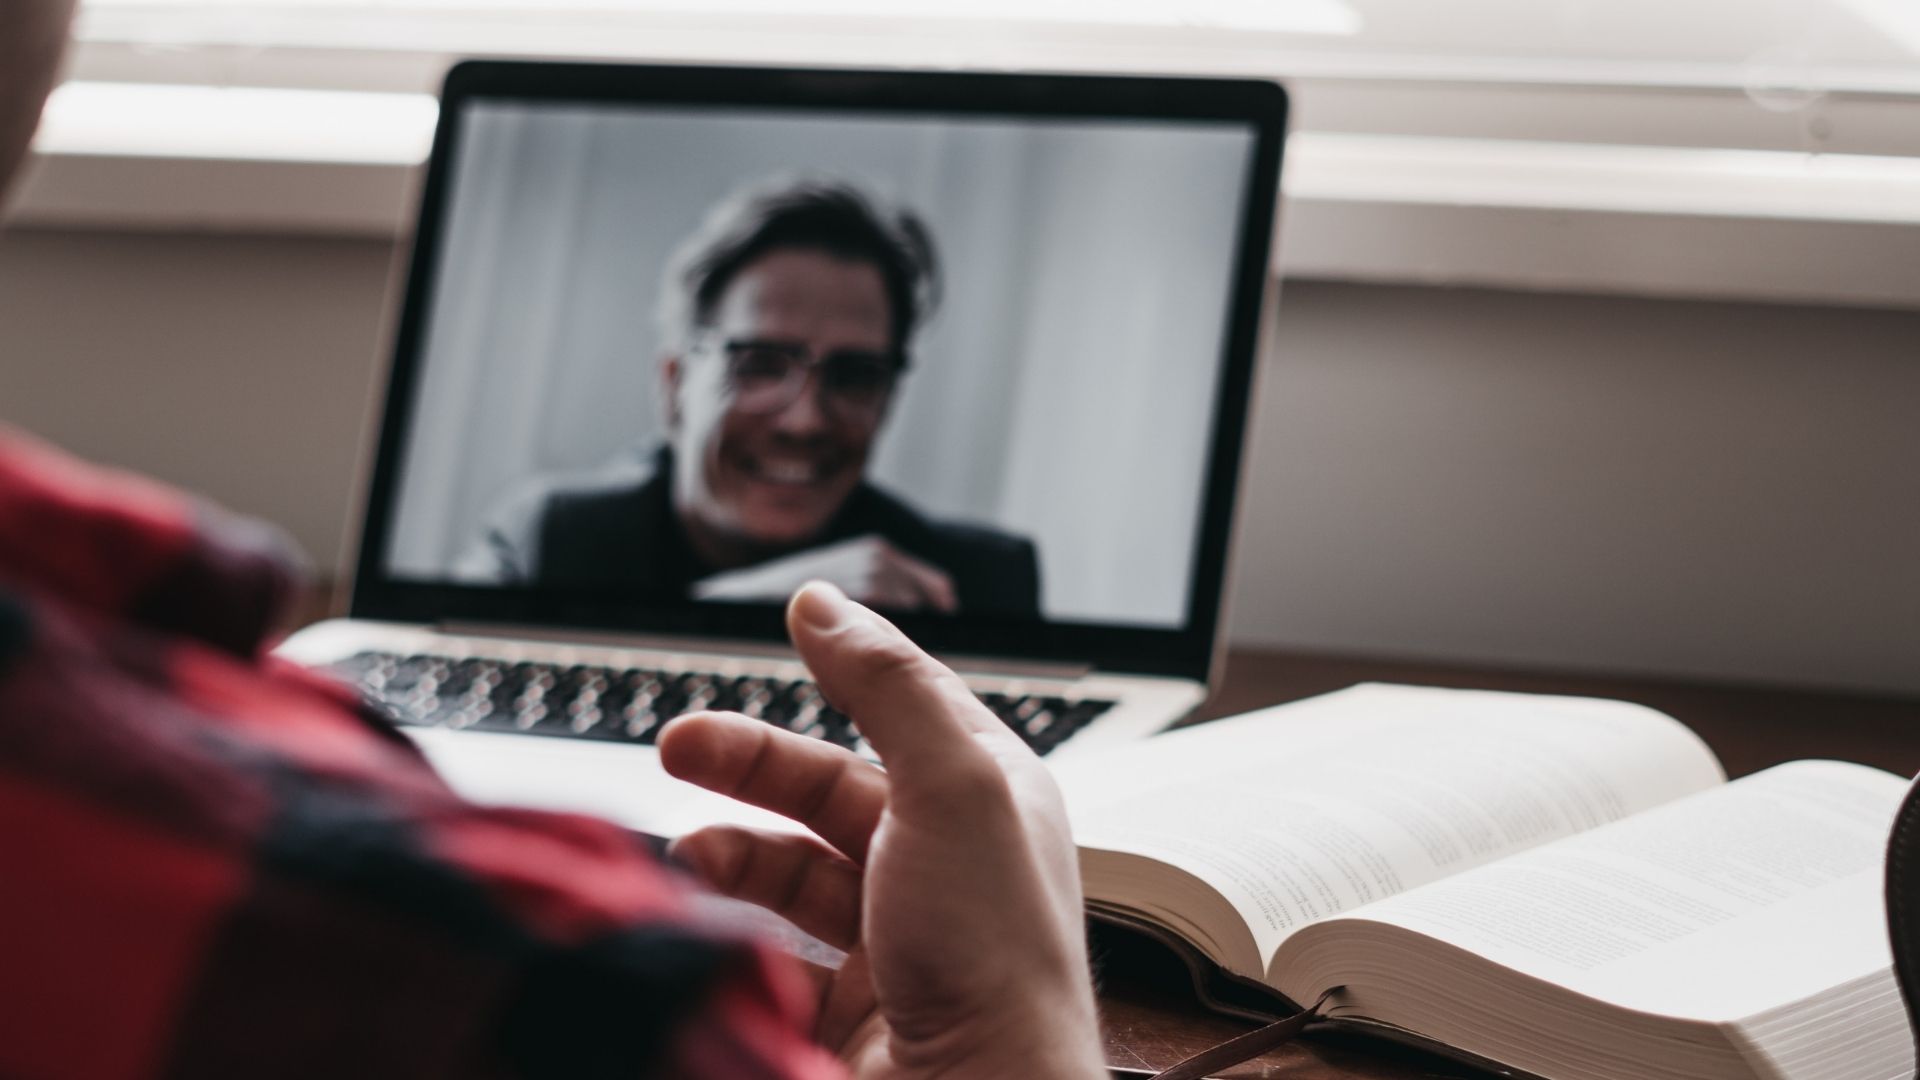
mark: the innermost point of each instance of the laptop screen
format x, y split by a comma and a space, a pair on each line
671, 357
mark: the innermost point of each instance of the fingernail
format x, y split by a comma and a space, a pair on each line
821, 605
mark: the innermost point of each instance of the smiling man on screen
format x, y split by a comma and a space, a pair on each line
788, 317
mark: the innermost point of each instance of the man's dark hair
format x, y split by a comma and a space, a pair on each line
829, 216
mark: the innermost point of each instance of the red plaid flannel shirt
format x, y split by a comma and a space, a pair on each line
213, 863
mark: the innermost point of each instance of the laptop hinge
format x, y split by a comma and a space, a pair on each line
972, 665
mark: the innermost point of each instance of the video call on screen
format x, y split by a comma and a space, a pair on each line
959, 365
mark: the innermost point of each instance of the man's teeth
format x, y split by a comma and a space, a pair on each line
788, 472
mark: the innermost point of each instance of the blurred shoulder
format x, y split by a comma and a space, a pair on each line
517, 531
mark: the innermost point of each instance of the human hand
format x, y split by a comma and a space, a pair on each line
949, 877
867, 568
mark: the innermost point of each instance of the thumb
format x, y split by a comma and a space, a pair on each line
919, 716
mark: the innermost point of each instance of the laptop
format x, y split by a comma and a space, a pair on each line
978, 348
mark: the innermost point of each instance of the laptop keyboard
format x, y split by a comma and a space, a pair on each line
630, 705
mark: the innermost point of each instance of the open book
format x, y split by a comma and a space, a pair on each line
1563, 887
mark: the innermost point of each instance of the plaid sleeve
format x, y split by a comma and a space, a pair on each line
122, 546
215, 865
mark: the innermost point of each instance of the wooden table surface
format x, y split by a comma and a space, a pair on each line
1152, 1018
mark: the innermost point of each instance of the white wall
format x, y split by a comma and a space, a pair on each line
1696, 489
236, 367
1708, 489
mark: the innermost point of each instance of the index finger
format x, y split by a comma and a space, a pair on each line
921, 719
828, 789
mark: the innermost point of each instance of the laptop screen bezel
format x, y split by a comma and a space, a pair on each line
1185, 651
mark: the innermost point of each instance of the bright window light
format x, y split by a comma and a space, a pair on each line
1831, 75
1280, 16
1898, 19
237, 124
1296, 16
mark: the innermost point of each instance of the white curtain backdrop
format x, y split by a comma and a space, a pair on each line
1061, 391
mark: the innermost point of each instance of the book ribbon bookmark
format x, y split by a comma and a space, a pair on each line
1246, 1047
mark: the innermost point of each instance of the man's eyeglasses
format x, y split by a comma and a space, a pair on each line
768, 376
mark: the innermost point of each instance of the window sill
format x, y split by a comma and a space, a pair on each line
1762, 225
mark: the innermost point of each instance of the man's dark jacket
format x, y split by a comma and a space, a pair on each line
617, 529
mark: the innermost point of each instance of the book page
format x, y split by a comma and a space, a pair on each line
1748, 897
1306, 810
